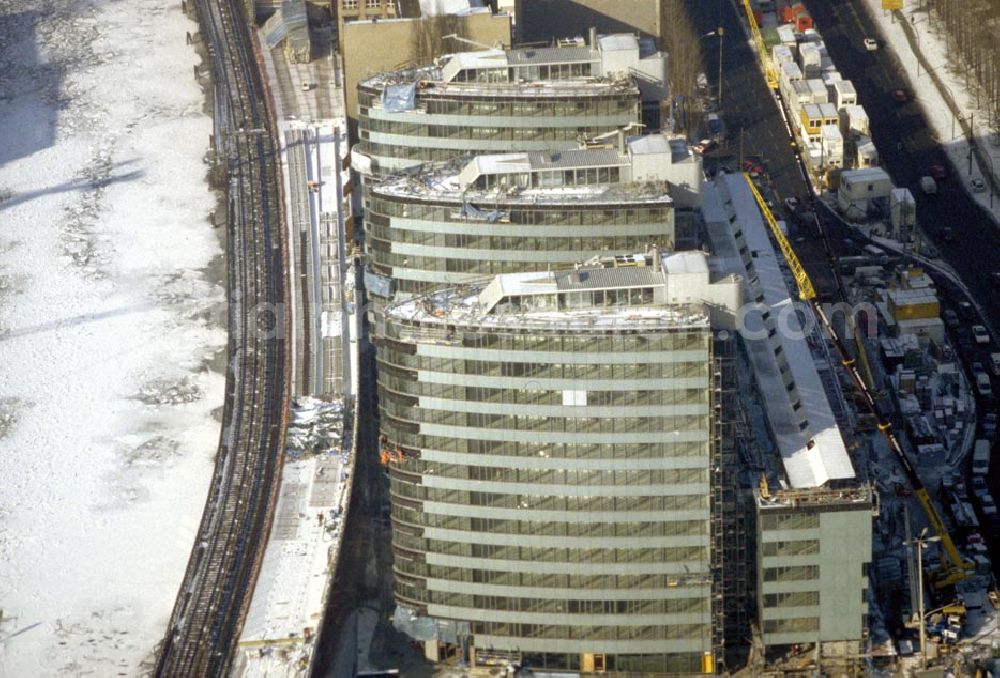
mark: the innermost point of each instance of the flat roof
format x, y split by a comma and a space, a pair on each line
440, 182
817, 455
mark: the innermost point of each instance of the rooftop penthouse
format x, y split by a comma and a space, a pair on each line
502, 100
642, 169
456, 222
626, 292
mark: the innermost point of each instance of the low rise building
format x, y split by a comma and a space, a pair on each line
858, 188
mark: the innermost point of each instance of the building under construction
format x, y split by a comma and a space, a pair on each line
554, 447
810, 506
474, 217
496, 101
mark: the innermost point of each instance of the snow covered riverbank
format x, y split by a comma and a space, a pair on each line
111, 330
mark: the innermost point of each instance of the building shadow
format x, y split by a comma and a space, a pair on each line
26, 88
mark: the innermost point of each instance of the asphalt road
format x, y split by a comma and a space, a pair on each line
908, 148
749, 110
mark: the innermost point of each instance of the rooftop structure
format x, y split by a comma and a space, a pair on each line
813, 512
799, 413
550, 438
474, 217
500, 100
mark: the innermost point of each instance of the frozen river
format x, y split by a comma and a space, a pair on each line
112, 331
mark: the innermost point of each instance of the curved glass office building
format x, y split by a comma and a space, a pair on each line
496, 101
477, 217
550, 441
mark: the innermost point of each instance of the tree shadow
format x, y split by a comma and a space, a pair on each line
73, 321
81, 184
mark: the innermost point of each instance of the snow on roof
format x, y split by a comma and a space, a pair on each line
442, 7
619, 42
865, 174
816, 455
648, 144
487, 58
685, 262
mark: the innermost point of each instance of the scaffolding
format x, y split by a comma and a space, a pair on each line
730, 515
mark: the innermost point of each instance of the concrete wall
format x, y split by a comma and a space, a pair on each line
542, 20
370, 48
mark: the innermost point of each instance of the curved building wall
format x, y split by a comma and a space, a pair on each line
423, 245
487, 120
553, 490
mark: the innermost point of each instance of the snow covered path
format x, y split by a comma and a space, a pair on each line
933, 45
111, 328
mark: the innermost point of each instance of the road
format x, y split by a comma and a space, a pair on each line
749, 111
225, 560
908, 148
748, 104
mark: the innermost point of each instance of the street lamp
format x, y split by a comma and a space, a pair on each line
720, 32
921, 543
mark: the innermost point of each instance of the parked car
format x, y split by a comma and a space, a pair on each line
966, 310
792, 204
980, 334
995, 363
978, 185
983, 386
939, 171
871, 44
900, 96
951, 319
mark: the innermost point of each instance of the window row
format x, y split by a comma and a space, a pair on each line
378, 207
511, 448
539, 503
792, 599
538, 554
551, 605
789, 521
472, 394
554, 632
550, 370
804, 547
576, 582
664, 528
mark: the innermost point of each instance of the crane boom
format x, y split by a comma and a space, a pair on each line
954, 569
770, 74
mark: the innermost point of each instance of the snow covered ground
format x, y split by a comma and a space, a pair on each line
111, 328
932, 43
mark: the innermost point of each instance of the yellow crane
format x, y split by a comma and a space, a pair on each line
770, 73
953, 568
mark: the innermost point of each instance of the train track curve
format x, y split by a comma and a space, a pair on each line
222, 569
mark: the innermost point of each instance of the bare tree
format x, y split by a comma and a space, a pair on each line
682, 43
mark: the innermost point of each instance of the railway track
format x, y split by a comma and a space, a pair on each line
224, 562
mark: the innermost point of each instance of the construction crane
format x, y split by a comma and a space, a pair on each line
953, 568
770, 74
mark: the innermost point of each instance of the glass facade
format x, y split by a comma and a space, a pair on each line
491, 118
422, 245
544, 501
